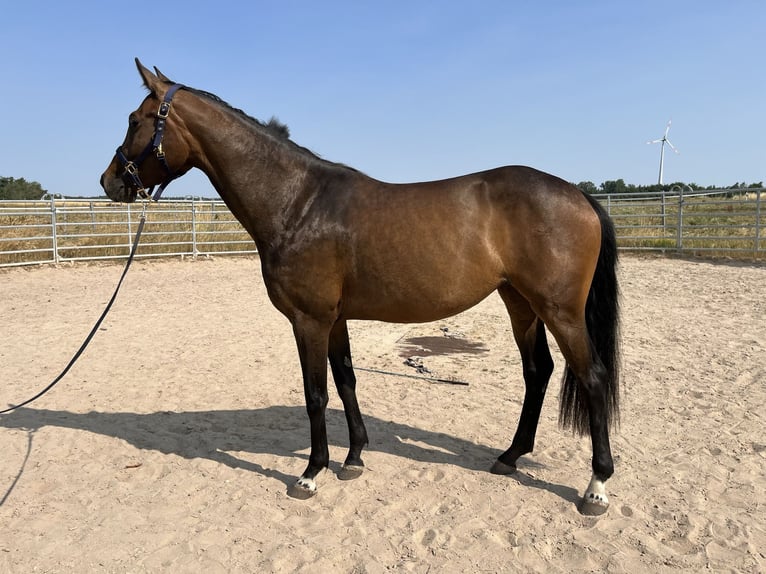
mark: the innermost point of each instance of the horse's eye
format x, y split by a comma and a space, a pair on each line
132, 122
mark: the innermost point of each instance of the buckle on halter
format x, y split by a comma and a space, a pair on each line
131, 169
163, 110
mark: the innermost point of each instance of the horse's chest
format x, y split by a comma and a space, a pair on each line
300, 283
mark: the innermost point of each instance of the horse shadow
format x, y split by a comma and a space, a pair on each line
278, 430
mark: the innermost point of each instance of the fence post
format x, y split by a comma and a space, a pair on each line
130, 230
757, 245
54, 235
92, 218
194, 229
679, 230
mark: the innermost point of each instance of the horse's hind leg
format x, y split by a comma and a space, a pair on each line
590, 376
529, 333
339, 353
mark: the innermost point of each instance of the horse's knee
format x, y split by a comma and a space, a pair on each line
316, 403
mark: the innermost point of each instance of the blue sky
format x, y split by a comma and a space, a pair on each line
402, 90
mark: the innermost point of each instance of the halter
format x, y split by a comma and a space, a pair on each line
155, 145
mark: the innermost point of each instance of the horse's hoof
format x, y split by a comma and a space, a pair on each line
303, 489
592, 507
501, 468
350, 472
594, 502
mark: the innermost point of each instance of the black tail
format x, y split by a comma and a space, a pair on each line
602, 317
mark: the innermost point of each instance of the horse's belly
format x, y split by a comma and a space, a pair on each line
416, 298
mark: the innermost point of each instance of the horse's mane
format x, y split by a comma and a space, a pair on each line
273, 127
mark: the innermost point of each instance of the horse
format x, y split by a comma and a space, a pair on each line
337, 245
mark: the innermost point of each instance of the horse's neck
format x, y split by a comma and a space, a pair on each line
258, 177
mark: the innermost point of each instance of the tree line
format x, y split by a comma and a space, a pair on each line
618, 186
12, 188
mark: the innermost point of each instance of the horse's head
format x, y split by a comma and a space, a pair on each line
154, 151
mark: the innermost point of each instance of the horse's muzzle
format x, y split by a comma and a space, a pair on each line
115, 187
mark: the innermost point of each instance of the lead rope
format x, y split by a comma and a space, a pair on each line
90, 336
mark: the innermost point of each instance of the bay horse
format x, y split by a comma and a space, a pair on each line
336, 245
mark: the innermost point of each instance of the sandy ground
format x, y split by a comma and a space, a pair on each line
169, 447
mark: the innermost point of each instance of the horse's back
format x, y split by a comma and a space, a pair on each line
427, 250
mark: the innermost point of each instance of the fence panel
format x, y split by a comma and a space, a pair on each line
720, 223
725, 223
60, 230
25, 233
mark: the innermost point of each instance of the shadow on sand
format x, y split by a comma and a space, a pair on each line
277, 430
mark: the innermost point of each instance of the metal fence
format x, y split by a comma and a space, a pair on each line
717, 223
720, 223
61, 230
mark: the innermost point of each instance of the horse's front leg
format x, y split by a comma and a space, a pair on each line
312, 339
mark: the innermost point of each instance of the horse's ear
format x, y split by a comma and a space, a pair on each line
152, 82
162, 76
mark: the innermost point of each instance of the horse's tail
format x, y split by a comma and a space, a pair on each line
602, 318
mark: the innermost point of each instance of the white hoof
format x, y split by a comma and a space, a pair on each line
594, 501
303, 488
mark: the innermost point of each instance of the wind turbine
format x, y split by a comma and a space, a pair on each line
663, 140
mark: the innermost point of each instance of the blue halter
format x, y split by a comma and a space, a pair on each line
131, 167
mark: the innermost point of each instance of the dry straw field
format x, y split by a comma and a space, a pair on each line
93, 230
